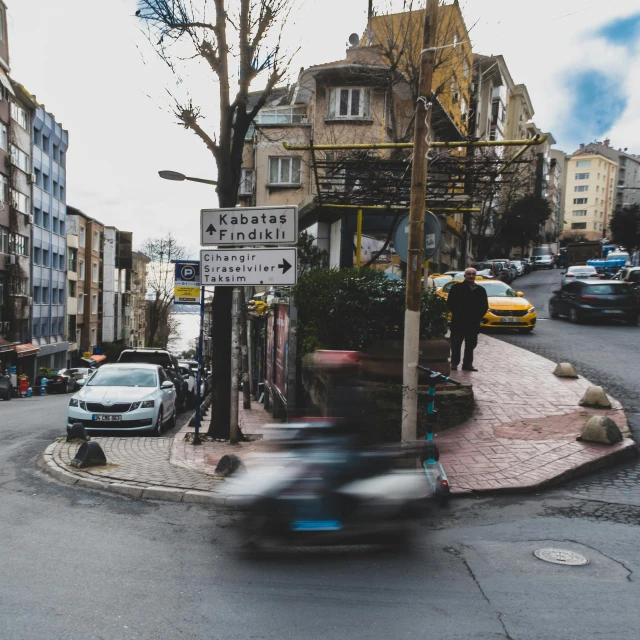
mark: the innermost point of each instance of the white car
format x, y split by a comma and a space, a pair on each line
125, 397
579, 272
542, 262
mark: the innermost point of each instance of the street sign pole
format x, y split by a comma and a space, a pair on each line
196, 436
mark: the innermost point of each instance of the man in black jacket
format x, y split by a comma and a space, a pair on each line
468, 303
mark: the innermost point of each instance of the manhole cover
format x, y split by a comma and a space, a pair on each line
561, 556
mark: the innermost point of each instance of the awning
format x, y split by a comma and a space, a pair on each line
24, 350
5, 345
6, 82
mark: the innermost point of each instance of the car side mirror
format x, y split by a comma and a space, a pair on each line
520, 294
167, 384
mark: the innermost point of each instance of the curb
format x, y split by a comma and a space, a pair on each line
615, 457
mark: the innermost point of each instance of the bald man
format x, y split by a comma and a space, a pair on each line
468, 303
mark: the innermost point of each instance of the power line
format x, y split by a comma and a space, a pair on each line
593, 6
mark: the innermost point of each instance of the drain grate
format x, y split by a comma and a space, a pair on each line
561, 556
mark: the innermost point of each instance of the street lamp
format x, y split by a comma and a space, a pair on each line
179, 177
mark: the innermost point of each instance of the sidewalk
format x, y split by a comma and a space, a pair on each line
521, 437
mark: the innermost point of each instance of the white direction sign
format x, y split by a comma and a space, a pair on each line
249, 226
242, 267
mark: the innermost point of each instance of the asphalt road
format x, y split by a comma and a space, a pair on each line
79, 564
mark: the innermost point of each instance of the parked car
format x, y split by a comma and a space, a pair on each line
508, 309
544, 261
438, 280
526, 263
125, 397
630, 275
60, 381
163, 358
192, 365
6, 390
519, 265
582, 272
582, 300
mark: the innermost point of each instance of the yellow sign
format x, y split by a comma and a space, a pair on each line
86, 354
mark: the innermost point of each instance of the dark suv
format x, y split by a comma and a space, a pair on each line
168, 362
583, 299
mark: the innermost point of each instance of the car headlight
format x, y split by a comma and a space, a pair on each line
82, 405
531, 309
147, 404
134, 406
73, 402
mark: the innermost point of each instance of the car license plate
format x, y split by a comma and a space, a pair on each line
316, 525
509, 319
612, 311
106, 418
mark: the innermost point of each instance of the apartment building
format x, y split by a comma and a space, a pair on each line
89, 283
590, 194
138, 299
116, 288
73, 349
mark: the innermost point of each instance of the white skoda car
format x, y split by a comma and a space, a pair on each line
125, 397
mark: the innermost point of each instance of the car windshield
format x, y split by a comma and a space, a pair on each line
607, 290
122, 377
441, 281
582, 270
498, 289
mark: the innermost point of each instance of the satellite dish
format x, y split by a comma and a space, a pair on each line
354, 40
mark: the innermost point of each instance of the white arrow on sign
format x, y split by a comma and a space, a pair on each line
249, 267
249, 225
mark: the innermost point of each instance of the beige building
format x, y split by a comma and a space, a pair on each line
138, 300
590, 193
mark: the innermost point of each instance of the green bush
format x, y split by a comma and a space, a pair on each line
352, 309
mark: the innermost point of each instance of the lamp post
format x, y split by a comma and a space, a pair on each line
179, 177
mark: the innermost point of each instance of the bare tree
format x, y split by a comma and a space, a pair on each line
160, 281
221, 34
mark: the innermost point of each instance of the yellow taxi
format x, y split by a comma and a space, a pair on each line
438, 280
508, 309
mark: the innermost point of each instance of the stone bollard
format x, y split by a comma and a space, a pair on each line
595, 397
600, 429
565, 370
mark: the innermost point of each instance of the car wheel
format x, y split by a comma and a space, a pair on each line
7, 395
574, 316
632, 321
158, 431
552, 312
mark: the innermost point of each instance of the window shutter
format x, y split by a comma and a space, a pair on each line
366, 97
332, 102
273, 170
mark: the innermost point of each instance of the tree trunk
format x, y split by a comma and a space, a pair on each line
221, 365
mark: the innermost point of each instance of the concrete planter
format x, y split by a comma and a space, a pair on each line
385, 359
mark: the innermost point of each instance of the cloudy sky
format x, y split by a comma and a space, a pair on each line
89, 64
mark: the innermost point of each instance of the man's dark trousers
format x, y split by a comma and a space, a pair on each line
470, 337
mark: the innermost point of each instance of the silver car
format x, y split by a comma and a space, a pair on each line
125, 397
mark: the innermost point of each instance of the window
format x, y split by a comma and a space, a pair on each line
282, 115
96, 241
36, 255
578, 225
466, 68
3, 137
1, 287
73, 260
582, 176
81, 305
4, 241
20, 202
579, 213
94, 272
584, 164
19, 287
94, 334
94, 304
247, 182
350, 102
463, 107
20, 116
582, 201
45, 257
599, 177
72, 288
4, 188
83, 236
45, 295
453, 84
456, 40
81, 270
285, 170
20, 159
37, 295
19, 244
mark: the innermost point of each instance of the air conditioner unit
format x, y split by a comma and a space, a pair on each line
10, 260
29, 300
32, 178
31, 218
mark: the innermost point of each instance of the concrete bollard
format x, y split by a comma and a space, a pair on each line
600, 429
565, 370
595, 397
90, 454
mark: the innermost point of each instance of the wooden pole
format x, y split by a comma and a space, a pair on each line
415, 259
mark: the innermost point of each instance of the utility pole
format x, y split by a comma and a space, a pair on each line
415, 254
236, 328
